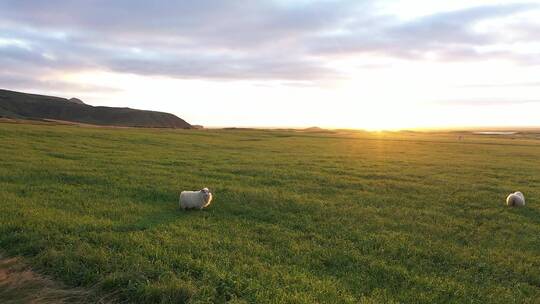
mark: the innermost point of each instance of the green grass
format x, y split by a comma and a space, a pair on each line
298, 217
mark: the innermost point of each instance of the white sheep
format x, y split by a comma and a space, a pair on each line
515, 199
195, 199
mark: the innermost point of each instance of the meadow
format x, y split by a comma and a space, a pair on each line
297, 217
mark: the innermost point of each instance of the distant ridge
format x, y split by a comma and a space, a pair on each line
31, 106
314, 129
76, 100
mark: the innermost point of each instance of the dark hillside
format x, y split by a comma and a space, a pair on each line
32, 106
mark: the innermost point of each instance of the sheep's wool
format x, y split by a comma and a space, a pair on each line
515, 199
195, 199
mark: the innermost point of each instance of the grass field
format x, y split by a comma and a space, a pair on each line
298, 217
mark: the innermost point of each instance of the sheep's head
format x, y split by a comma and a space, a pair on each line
207, 196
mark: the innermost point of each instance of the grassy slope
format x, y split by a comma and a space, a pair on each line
298, 217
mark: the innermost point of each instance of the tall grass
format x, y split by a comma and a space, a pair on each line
298, 217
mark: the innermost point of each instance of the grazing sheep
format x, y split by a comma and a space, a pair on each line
515, 199
195, 199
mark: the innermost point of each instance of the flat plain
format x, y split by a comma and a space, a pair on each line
298, 217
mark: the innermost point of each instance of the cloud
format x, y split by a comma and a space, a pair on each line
23, 82
232, 40
447, 36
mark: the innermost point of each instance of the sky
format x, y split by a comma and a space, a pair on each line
337, 64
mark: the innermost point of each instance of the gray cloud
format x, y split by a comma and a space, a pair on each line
448, 35
236, 39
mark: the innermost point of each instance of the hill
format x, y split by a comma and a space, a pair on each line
31, 106
76, 100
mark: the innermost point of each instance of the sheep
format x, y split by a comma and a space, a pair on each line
195, 199
515, 199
